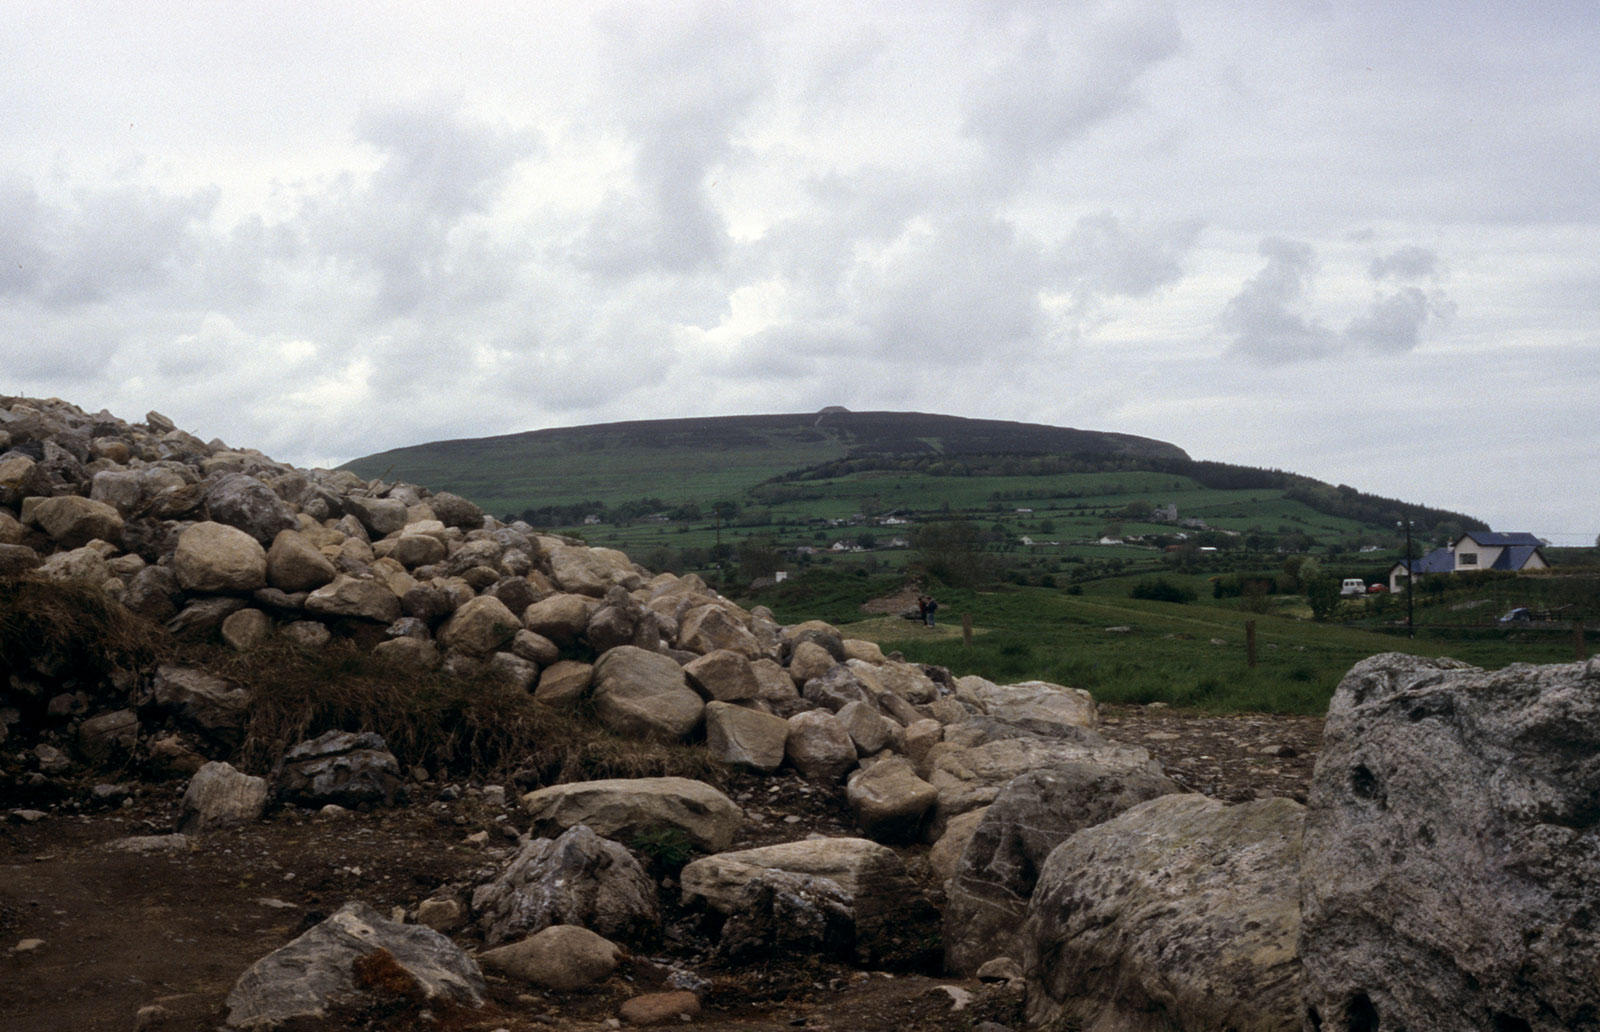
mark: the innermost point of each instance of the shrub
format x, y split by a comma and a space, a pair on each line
1159, 589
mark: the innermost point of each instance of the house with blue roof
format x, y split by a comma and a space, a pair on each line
1474, 550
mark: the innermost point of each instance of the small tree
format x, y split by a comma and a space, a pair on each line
1322, 594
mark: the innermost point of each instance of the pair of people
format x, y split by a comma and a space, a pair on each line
927, 605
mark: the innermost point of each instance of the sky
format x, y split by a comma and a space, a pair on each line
1355, 240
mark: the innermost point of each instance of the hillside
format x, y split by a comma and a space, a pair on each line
681, 460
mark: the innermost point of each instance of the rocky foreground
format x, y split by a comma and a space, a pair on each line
1441, 873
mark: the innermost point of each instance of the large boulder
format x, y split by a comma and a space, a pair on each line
565, 958
980, 757
340, 767
710, 627
561, 617
364, 598
591, 571
994, 878
746, 738
242, 501
889, 801
216, 557
1179, 913
72, 521
323, 968
219, 795
645, 695
578, 878
819, 746
780, 912
627, 808
481, 626
723, 675
872, 878
1451, 876
1037, 706
294, 563
216, 708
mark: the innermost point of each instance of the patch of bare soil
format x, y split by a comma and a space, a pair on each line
93, 936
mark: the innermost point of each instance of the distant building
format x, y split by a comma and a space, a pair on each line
1474, 550
1166, 514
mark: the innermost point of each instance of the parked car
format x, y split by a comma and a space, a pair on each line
1518, 615
1353, 586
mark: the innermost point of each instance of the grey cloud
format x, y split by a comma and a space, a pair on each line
1407, 263
1063, 77
1261, 319
1103, 255
100, 243
1394, 322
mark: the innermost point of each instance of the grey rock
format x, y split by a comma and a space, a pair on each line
350, 770
1178, 913
578, 878
218, 795
317, 972
1452, 860
242, 501
216, 708
625, 808
994, 878
778, 913
564, 958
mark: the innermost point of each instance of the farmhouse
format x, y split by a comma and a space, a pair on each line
1474, 550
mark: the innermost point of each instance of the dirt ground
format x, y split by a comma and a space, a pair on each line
96, 937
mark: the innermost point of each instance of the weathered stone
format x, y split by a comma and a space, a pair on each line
780, 913
73, 521
889, 801
1037, 706
481, 626
645, 695
535, 648
455, 511
868, 729
809, 660
207, 703
561, 957
562, 618
294, 563
710, 627
420, 653
838, 686
945, 855
672, 1008
872, 877
218, 795
107, 735
563, 683
411, 549
818, 745
17, 559
723, 675
242, 501
745, 738
904, 681
1452, 852
360, 597
1034, 813
319, 970
246, 629
379, 517
84, 566
578, 878
582, 570
219, 558
1178, 913
308, 634
624, 808
339, 767
513, 671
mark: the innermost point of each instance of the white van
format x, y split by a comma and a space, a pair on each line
1353, 586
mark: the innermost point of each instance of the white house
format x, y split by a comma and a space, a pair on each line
1474, 550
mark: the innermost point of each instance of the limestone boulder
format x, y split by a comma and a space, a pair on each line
1451, 876
563, 957
886, 901
710, 627
645, 695
1037, 706
809, 660
723, 675
563, 683
577, 878
363, 598
1178, 913
240, 500
295, 563
218, 795
343, 768
245, 629
322, 969
454, 511
987, 897
889, 802
84, 566
379, 517
870, 730
561, 617
72, 521
106, 736
745, 738
779, 913
213, 557
625, 808
835, 688
215, 708
819, 746
480, 627
581, 570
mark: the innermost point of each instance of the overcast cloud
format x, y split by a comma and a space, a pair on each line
1355, 241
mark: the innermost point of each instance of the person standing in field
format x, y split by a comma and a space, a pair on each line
928, 610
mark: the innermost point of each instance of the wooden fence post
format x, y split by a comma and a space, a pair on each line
966, 629
1250, 643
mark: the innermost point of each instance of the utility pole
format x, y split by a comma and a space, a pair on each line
1411, 583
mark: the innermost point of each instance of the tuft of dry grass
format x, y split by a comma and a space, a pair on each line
72, 631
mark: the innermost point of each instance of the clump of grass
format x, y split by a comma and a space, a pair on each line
69, 630
470, 727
